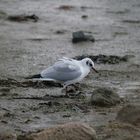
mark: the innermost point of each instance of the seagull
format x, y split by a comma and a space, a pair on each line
66, 71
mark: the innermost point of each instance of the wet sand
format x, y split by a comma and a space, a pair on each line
28, 47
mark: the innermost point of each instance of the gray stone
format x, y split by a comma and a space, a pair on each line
104, 97
80, 36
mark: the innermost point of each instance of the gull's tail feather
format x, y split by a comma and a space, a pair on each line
34, 76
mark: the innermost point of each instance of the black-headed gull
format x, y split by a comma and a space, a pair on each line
66, 71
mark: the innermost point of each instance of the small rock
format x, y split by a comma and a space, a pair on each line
80, 36
104, 97
69, 131
84, 16
3, 121
60, 31
129, 114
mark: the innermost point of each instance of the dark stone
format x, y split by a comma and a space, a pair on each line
60, 31
84, 16
104, 97
80, 36
23, 18
129, 114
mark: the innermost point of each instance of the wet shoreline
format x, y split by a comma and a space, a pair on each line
40, 33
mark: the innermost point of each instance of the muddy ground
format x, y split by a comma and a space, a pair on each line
43, 35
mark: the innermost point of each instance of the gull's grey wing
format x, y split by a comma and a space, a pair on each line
62, 71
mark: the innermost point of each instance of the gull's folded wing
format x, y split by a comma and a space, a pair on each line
62, 71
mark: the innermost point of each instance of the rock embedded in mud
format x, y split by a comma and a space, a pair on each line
69, 131
104, 97
23, 18
129, 114
80, 36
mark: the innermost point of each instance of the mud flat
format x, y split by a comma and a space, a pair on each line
43, 35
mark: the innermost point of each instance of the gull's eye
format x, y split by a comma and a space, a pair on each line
90, 64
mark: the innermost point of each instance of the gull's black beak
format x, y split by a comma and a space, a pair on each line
95, 70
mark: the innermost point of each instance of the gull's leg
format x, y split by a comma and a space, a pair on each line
65, 89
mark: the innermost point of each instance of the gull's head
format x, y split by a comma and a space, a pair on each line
87, 62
